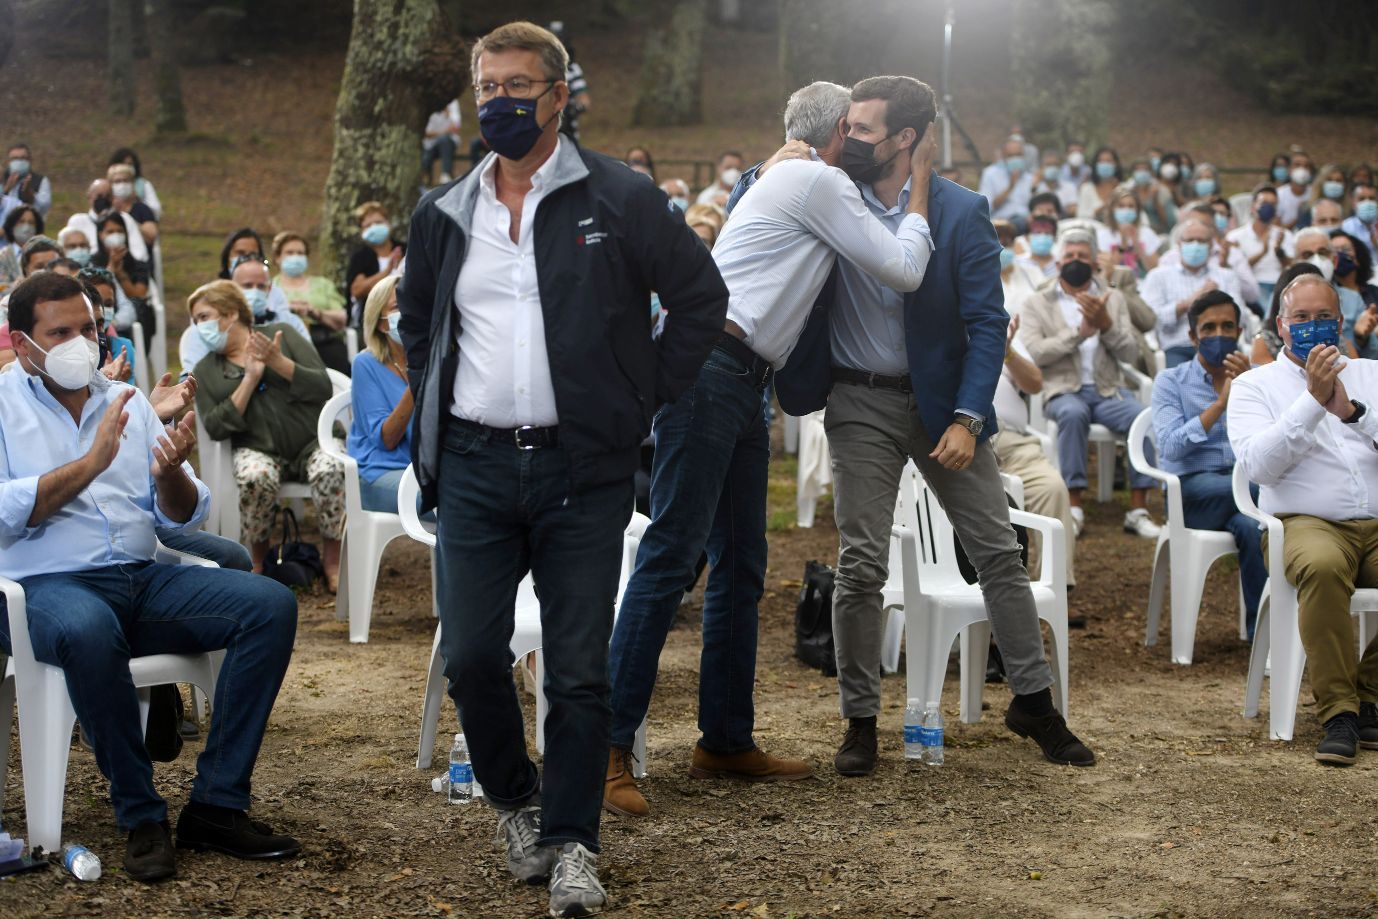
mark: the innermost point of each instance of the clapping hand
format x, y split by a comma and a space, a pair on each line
1236, 362
266, 350
116, 368
174, 446
1323, 376
169, 400
106, 444
1093, 311
1365, 322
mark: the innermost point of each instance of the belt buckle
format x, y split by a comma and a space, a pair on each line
517, 437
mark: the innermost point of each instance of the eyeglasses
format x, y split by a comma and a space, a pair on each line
1302, 317
517, 87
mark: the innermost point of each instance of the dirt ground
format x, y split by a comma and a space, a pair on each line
1190, 811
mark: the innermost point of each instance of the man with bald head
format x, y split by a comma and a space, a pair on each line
1303, 429
1327, 214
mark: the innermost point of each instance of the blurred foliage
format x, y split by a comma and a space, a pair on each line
1060, 63
671, 71
1315, 57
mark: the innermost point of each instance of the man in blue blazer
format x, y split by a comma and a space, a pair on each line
913, 376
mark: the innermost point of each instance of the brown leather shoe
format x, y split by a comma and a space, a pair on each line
620, 794
755, 765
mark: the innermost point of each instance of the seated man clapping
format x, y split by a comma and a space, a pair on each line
86, 472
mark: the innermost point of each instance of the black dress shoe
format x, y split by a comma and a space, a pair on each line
1339, 747
857, 755
149, 856
204, 827
1368, 725
1050, 732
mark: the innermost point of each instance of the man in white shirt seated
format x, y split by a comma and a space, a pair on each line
1050, 181
1224, 253
86, 472
1176, 284
1008, 184
1303, 429
1267, 246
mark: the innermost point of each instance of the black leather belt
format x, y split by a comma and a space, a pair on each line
872, 380
757, 367
525, 437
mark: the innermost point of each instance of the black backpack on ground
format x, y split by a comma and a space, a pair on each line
813, 619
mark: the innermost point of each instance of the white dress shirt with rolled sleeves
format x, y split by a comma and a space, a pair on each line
1306, 460
503, 379
1167, 285
782, 240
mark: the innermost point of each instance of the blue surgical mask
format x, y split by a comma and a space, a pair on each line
1333, 190
1222, 223
294, 266
212, 335
1143, 177
1105, 170
1213, 348
1195, 253
1125, 215
1279, 174
1006, 257
258, 300
681, 203
1314, 334
1154, 162
393, 319
19, 167
80, 254
1014, 163
375, 234
1204, 187
1051, 173
1366, 211
1041, 244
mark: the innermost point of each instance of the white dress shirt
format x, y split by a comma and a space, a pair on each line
503, 379
1011, 406
111, 521
1290, 203
995, 179
1304, 459
1267, 268
1165, 286
784, 236
1071, 313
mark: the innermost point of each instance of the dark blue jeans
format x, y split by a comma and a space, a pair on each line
708, 489
1208, 504
90, 623
504, 512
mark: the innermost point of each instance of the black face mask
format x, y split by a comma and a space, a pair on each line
1075, 273
100, 205
859, 160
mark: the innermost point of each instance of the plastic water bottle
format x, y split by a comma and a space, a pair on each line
81, 862
461, 772
913, 724
931, 735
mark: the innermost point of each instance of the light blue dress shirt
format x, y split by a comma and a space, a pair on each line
1180, 395
867, 323
111, 521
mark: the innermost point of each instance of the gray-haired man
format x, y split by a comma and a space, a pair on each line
708, 487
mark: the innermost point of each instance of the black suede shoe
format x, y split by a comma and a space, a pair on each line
1368, 725
1339, 747
857, 755
149, 856
203, 827
1049, 731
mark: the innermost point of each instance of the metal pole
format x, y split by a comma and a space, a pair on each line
946, 90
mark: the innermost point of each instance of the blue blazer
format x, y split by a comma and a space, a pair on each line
954, 323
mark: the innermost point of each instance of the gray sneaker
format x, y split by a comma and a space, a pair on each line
574, 887
520, 829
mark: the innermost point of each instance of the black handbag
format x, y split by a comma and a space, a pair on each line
292, 562
813, 619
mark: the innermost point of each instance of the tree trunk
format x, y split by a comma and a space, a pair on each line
7, 25
672, 72
405, 60
120, 57
1060, 64
169, 115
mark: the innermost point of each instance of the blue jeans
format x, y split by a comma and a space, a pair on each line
90, 623
503, 512
708, 489
224, 552
1208, 504
1074, 413
381, 494
1179, 354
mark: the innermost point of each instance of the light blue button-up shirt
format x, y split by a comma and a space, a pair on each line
867, 323
111, 521
1180, 395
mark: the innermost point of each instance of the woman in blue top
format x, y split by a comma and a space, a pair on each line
380, 437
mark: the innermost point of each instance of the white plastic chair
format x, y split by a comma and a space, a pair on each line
157, 348
46, 715
1099, 436
790, 432
1188, 553
217, 471
815, 467
351, 343
1277, 651
367, 533
940, 606
526, 632
141, 365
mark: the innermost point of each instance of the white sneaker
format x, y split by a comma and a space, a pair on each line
1139, 523
574, 887
519, 829
1078, 521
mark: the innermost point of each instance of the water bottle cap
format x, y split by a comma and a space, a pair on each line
459, 738
915, 702
933, 705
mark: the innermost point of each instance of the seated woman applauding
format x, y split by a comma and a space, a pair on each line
380, 438
263, 389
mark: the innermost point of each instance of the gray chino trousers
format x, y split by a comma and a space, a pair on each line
872, 433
